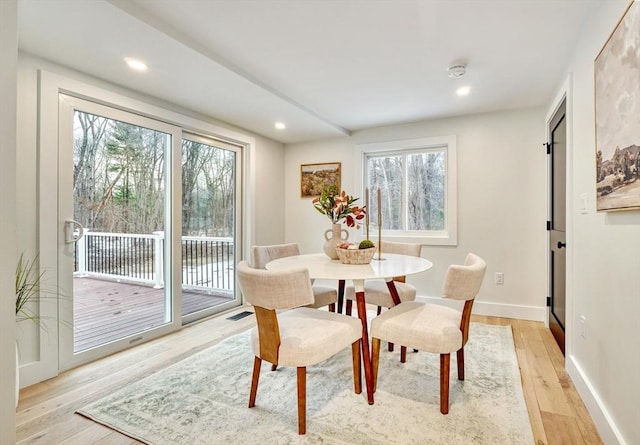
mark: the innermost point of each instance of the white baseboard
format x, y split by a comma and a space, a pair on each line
495, 309
607, 429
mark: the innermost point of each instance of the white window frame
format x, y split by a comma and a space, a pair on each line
446, 237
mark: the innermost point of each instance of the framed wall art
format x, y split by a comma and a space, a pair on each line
617, 116
315, 176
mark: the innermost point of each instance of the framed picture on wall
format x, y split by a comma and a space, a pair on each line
315, 176
617, 115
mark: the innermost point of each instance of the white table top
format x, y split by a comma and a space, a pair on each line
321, 267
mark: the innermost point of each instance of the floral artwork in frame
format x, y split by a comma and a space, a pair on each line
617, 116
313, 177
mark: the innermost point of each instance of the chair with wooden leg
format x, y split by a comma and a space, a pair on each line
299, 336
261, 255
432, 327
377, 293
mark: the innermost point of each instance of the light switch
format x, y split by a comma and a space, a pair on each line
583, 203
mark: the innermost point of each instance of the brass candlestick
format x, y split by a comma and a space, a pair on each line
379, 225
366, 215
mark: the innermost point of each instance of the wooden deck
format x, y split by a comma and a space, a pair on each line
105, 311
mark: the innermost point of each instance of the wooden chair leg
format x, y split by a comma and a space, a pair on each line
332, 307
403, 354
357, 376
302, 400
375, 360
379, 310
341, 284
274, 367
390, 347
348, 307
460, 360
444, 383
257, 362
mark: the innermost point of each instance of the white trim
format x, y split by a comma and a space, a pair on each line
487, 308
609, 432
447, 237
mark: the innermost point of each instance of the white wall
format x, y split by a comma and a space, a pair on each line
606, 265
9, 51
269, 193
501, 203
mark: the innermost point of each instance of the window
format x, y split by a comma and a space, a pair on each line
417, 185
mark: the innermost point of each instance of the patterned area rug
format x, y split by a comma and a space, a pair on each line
203, 400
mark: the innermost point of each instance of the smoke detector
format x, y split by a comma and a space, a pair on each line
457, 71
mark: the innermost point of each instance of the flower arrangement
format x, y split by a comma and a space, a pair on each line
338, 205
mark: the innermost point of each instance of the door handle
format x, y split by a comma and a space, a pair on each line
561, 244
73, 231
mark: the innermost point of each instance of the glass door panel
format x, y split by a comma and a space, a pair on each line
208, 225
115, 212
119, 189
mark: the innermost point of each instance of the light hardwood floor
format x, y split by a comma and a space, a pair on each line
46, 411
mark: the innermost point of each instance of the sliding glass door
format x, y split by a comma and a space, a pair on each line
147, 222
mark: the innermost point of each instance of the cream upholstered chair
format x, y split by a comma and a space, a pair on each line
297, 337
376, 292
432, 327
261, 255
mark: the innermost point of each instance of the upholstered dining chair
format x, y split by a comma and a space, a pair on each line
432, 327
261, 255
300, 336
376, 292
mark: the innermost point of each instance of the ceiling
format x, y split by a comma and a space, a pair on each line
325, 68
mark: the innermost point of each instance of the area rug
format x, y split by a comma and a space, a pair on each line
203, 400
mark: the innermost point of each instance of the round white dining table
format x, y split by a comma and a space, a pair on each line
321, 267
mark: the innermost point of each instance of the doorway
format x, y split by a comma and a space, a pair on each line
557, 151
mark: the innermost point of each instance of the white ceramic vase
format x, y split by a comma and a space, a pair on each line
333, 241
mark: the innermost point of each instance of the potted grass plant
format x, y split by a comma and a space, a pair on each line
28, 280
27, 293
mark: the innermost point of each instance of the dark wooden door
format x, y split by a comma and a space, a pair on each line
557, 150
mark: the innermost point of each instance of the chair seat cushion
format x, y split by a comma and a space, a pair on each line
426, 327
323, 296
377, 293
309, 336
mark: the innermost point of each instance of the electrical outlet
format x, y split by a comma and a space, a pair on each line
583, 326
499, 278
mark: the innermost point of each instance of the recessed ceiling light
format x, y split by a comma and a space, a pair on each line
463, 91
280, 126
135, 64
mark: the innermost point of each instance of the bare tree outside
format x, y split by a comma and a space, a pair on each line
208, 196
119, 180
414, 181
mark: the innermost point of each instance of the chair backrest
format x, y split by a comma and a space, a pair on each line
275, 289
401, 248
261, 255
463, 282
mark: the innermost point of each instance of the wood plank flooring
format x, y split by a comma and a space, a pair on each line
46, 411
105, 311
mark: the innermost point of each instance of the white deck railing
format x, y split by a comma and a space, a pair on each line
207, 262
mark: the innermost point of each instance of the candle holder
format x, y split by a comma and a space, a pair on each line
379, 257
